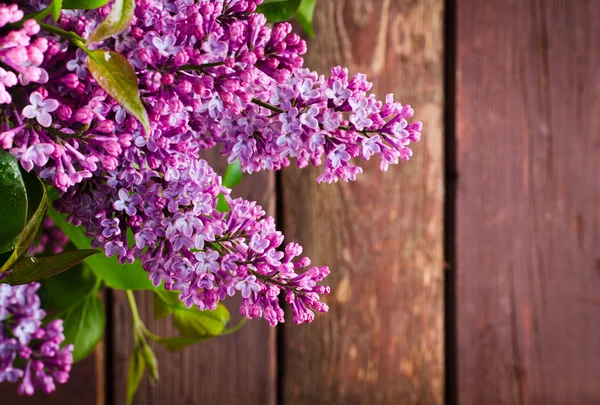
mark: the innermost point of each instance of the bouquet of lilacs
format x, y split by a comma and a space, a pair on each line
106, 108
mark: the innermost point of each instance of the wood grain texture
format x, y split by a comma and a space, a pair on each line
382, 341
85, 386
235, 369
528, 223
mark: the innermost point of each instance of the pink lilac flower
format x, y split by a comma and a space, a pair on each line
209, 73
30, 353
190, 247
19, 53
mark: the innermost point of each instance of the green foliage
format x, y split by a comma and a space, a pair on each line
31, 269
194, 325
283, 10
84, 324
233, 176
279, 10
83, 4
129, 276
55, 8
73, 296
36, 205
116, 76
304, 15
13, 210
67, 288
137, 368
117, 21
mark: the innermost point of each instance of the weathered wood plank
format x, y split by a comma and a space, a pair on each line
234, 369
382, 341
528, 223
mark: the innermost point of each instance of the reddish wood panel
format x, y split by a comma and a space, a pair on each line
382, 341
234, 369
528, 198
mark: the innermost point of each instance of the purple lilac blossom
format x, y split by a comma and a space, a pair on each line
30, 353
190, 247
210, 73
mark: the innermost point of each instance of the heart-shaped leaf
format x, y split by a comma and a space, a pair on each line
129, 276
83, 4
117, 21
37, 204
116, 76
13, 210
84, 324
30, 269
278, 10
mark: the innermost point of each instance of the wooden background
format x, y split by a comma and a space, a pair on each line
468, 275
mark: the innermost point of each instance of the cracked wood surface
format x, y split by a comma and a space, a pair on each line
527, 218
382, 341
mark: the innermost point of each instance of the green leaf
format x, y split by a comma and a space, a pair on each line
191, 322
180, 342
304, 15
30, 269
117, 21
13, 210
232, 177
137, 367
116, 76
129, 276
83, 4
161, 308
84, 325
67, 288
36, 210
169, 298
55, 7
278, 10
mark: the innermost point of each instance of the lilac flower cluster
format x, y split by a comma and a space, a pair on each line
210, 72
303, 118
19, 53
184, 241
30, 353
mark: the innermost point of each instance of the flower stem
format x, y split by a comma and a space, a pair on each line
70, 36
201, 67
267, 105
137, 320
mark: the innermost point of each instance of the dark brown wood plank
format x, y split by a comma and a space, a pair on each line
528, 198
85, 386
234, 369
382, 341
